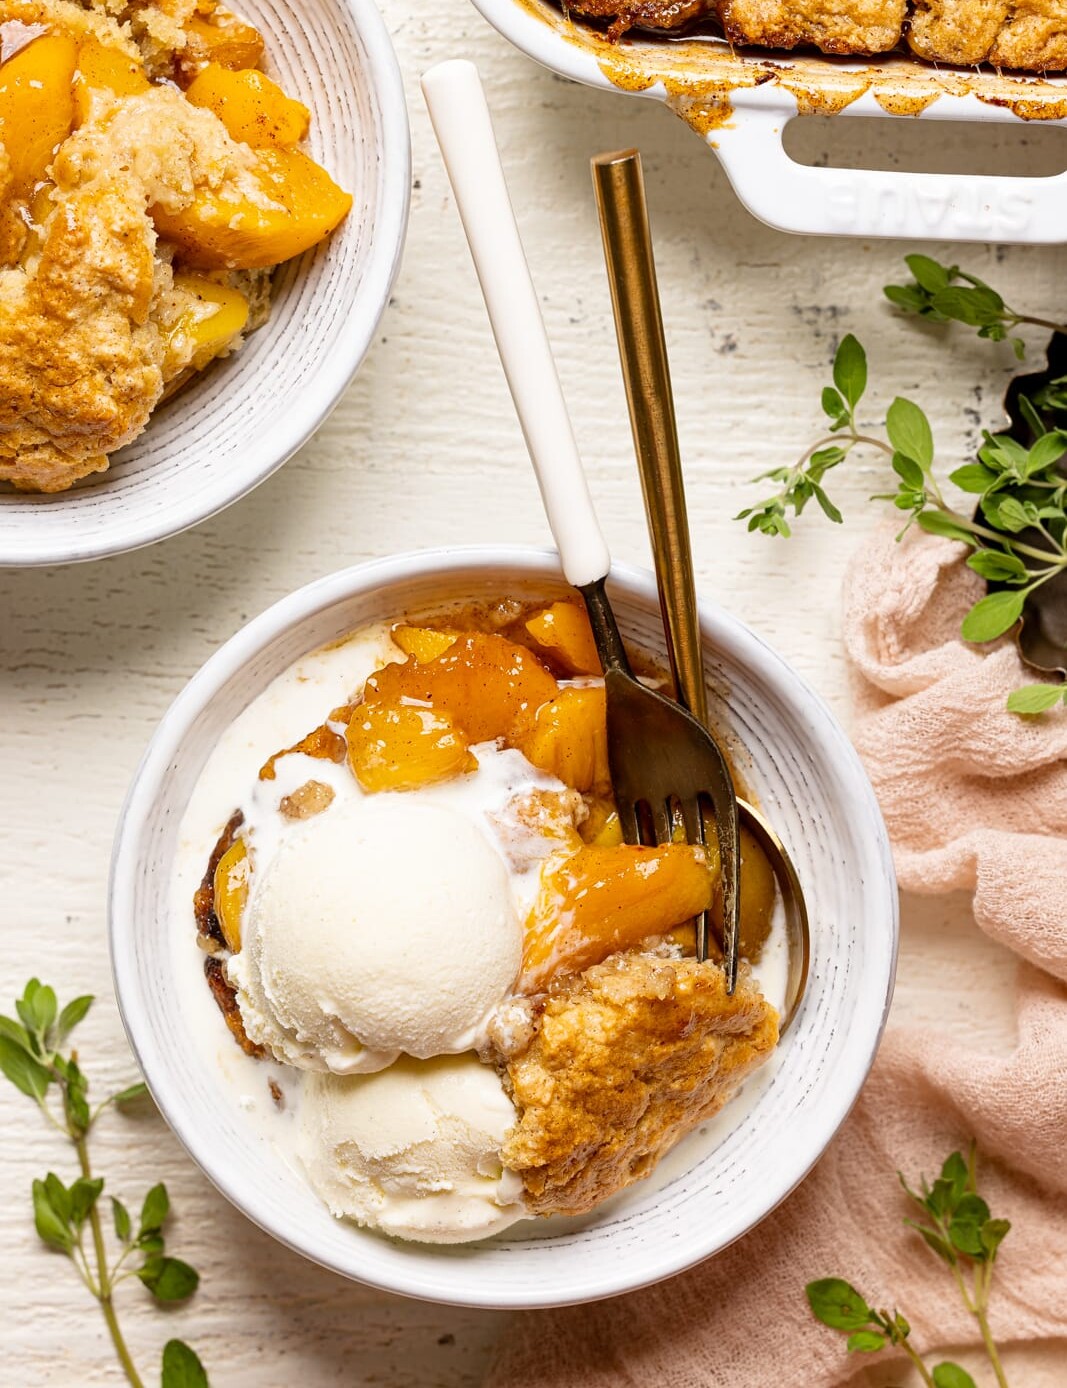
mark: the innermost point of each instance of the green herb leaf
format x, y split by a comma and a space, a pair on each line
910, 298
834, 407
997, 565
155, 1208
828, 508
1036, 698
976, 307
973, 477
909, 472
72, 1014
16, 1032
169, 1279
121, 1216
58, 1196
994, 1232
965, 1230
850, 371
937, 523
181, 1367
52, 1228
929, 274
992, 616
1006, 513
22, 1069
75, 1101
951, 1376
955, 1171
1046, 452
866, 1341
934, 1241
909, 432
837, 1304
83, 1196
130, 1094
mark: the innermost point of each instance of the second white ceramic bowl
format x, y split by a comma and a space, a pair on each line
808, 779
246, 415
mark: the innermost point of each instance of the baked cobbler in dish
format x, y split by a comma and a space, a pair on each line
151, 177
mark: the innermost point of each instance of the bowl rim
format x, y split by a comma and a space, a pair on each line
289, 613
377, 275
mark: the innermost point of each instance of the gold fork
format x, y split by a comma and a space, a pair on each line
620, 194
667, 772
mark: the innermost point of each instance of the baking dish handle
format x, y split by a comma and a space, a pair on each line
869, 203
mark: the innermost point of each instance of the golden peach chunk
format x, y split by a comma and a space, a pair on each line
301, 205
563, 632
103, 68
220, 38
36, 107
216, 318
484, 684
423, 643
231, 892
400, 747
599, 900
569, 739
253, 109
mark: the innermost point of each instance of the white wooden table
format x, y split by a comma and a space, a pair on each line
422, 451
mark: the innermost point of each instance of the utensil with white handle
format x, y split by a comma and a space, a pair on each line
667, 772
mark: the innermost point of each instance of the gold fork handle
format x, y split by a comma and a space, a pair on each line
624, 226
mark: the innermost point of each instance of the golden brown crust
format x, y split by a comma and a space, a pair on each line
211, 938
858, 26
1008, 33
626, 1059
648, 14
1028, 35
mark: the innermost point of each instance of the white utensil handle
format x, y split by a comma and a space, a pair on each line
870, 203
464, 130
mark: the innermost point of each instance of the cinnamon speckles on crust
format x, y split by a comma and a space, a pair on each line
625, 1060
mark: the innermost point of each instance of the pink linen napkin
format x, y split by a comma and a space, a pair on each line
975, 799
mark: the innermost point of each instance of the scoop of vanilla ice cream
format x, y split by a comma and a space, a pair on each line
380, 927
414, 1150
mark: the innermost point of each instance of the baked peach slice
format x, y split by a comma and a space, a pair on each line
254, 110
216, 317
403, 746
300, 206
486, 685
231, 892
102, 68
36, 107
563, 632
569, 739
221, 38
422, 643
599, 900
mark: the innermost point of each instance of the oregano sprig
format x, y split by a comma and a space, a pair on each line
956, 1225
946, 294
1018, 537
33, 1056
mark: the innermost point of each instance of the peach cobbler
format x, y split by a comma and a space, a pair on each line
425, 907
152, 176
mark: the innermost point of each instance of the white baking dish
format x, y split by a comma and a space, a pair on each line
742, 104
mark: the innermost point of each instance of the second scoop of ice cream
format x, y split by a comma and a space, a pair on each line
380, 927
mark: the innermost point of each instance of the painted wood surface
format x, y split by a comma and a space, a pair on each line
424, 451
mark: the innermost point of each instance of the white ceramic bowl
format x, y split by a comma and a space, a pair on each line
813, 788
247, 414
